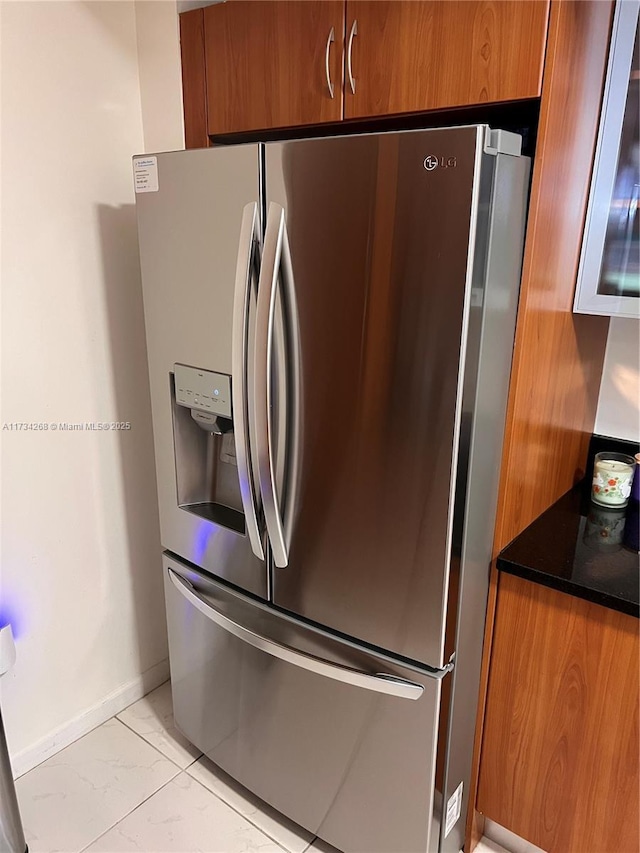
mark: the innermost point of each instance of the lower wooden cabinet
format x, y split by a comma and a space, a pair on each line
560, 749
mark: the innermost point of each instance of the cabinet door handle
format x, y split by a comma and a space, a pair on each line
353, 32
330, 40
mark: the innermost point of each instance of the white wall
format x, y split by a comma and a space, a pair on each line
618, 412
187, 5
80, 560
158, 38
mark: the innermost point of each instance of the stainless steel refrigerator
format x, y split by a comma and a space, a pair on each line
330, 325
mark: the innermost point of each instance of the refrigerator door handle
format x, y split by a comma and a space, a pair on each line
276, 262
390, 685
249, 236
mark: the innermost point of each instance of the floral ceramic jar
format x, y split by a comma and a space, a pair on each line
612, 476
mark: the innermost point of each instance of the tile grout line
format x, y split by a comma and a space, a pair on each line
197, 781
134, 809
180, 770
243, 816
71, 743
155, 747
137, 806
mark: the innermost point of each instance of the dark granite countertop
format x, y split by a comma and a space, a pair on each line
582, 549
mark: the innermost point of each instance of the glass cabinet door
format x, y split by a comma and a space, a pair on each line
609, 274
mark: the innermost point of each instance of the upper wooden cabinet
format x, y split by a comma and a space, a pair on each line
260, 64
273, 64
409, 56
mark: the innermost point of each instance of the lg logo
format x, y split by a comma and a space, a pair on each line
431, 162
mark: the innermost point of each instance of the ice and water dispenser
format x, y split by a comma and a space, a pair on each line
206, 471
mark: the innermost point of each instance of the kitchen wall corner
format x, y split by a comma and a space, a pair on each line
80, 569
618, 412
158, 40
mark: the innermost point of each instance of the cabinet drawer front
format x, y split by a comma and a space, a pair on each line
409, 55
273, 64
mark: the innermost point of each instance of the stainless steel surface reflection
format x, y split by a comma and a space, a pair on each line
354, 747
12, 838
327, 552
189, 234
380, 257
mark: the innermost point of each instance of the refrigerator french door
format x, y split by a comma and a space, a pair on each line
189, 231
329, 328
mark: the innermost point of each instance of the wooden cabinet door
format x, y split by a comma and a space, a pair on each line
194, 80
267, 64
560, 745
409, 55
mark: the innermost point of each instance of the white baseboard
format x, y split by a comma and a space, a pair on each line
511, 842
99, 713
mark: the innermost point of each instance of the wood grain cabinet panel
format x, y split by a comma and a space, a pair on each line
560, 752
266, 63
558, 355
194, 83
410, 55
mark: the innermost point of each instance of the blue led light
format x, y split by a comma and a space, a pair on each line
202, 540
10, 615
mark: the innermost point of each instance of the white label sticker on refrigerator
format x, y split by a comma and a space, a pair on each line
454, 807
145, 174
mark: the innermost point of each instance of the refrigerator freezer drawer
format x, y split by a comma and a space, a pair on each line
341, 741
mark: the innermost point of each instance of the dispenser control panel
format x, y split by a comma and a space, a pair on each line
203, 390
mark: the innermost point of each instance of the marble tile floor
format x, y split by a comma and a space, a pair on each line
135, 784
